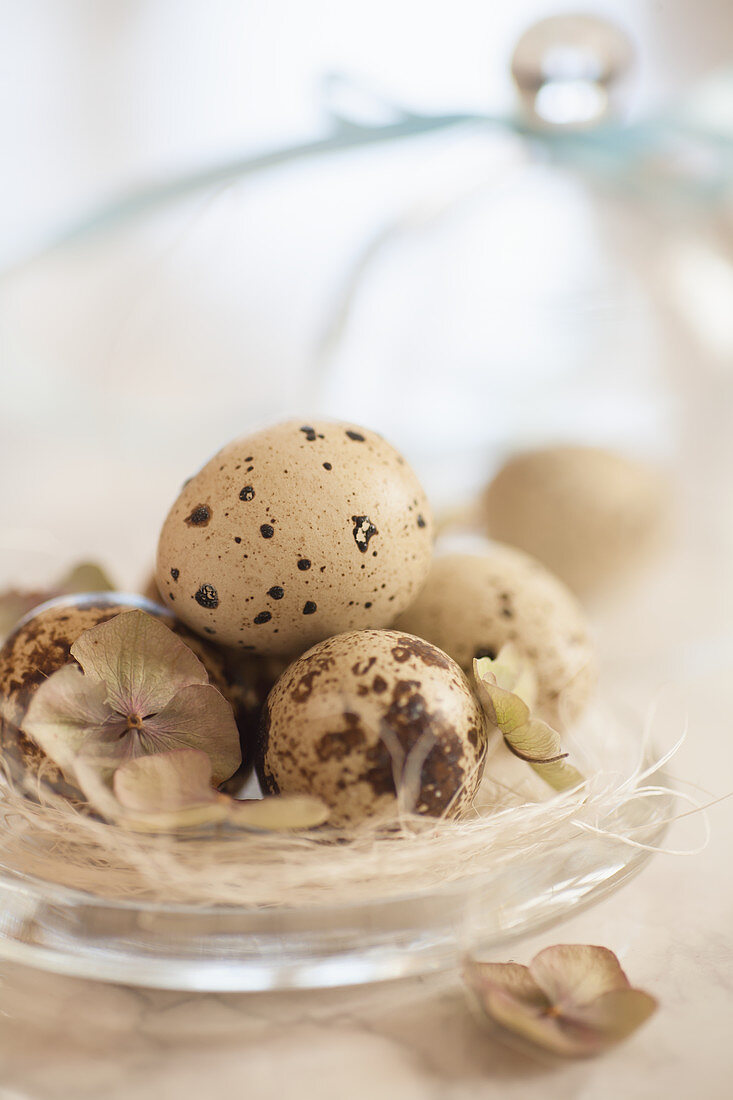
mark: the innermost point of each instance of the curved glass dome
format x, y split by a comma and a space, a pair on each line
467, 286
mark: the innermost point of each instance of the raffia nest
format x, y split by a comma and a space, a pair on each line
514, 816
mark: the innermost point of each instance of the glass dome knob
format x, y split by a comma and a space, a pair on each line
568, 68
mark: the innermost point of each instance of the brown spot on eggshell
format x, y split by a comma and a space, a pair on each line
199, 517
409, 646
364, 530
337, 745
207, 596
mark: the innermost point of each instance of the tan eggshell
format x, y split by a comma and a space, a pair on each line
295, 533
345, 717
41, 645
588, 514
473, 604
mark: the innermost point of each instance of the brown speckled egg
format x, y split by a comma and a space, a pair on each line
473, 604
589, 515
41, 644
293, 534
365, 708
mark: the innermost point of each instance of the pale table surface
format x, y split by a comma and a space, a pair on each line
66, 1038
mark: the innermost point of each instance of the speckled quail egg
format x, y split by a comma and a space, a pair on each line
472, 604
367, 712
41, 644
589, 515
295, 533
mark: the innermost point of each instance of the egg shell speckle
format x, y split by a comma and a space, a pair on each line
589, 515
473, 604
41, 644
344, 719
293, 534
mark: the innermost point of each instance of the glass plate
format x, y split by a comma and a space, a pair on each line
227, 948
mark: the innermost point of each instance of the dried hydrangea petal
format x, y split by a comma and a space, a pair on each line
165, 782
541, 1027
198, 717
141, 661
281, 812
85, 576
65, 715
172, 790
166, 792
505, 709
172, 821
574, 974
509, 978
615, 1015
573, 999
515, 673
529, 738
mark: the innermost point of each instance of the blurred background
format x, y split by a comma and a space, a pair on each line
100, 97
435, 262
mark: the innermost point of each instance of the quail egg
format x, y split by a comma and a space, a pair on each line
367, 714
472, 604
589, 515
41, 644
295, 533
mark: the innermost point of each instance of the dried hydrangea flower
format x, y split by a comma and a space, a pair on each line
507, 688
572, 999
141, 691
173, 790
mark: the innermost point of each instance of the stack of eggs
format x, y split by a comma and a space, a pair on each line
298, 564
